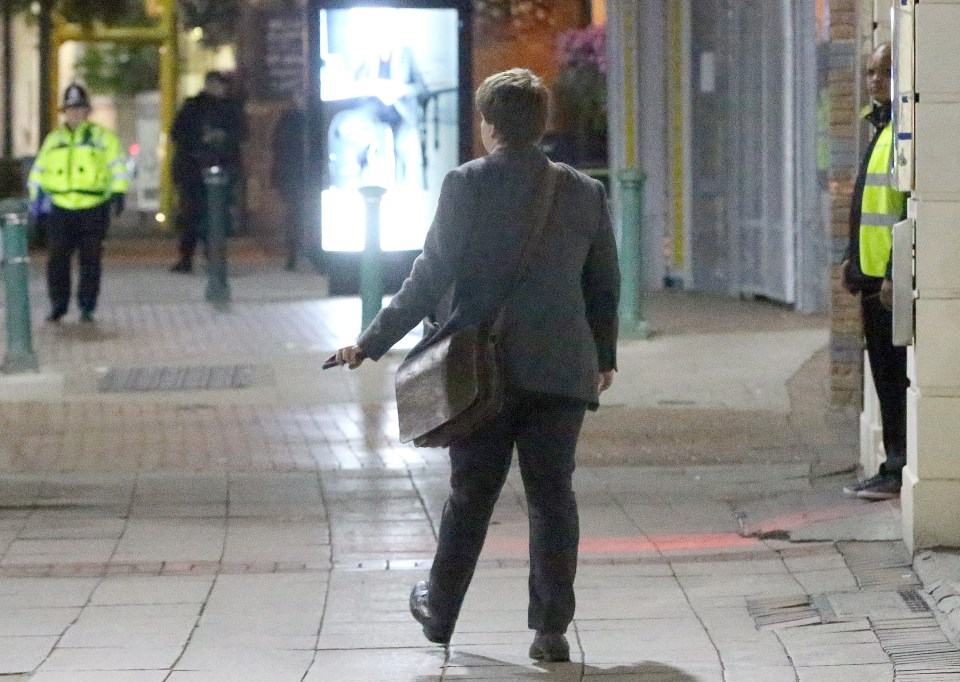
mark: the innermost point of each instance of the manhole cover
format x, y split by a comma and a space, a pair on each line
134, 379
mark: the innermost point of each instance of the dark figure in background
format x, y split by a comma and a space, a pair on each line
208, 131
875, 208
290, 178
559, 350
81, 172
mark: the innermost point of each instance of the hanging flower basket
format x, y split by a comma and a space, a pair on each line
580, 91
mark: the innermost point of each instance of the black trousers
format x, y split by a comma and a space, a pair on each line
545, 430
191, 218
889, 366
83, 232
300, 226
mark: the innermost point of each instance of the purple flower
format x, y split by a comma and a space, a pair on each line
582, 46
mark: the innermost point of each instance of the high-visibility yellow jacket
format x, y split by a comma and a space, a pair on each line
882, 207
79, 168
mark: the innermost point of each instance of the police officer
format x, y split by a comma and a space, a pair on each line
878, 205
82, 169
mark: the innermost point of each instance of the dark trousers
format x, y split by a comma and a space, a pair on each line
889, 366
191, 219
82, 231
300, 225
545, 430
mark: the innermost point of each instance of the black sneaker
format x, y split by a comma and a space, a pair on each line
86, 316
182, 265
550, 647
56, 315
420, 610
879, 487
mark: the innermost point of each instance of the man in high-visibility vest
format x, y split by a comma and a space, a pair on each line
81, 170
878, 205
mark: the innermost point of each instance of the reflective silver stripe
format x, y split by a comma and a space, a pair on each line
16, 260
879, 219
118, 162
879, 180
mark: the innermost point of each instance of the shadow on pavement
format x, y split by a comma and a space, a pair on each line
494, 669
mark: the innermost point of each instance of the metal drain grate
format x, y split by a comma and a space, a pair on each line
135, 379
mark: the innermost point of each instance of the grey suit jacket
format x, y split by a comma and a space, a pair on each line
560, 326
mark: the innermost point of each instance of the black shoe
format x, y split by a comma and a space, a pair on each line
291, 263
55, 315
86, 316
182, 265
550, 647
883, 486
421, 612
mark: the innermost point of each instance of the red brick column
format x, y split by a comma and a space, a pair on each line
846, 354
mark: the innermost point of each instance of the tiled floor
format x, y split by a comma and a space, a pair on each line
272, 533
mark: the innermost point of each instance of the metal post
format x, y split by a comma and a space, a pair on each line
216, 217
169, 79
8, 79
632, 322
371, 284
16, 277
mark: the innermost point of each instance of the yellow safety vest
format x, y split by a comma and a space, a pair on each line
882, 207
79, 168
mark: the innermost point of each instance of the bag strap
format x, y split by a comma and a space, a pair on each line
542, 210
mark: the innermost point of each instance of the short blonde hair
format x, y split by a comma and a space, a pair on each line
516, 103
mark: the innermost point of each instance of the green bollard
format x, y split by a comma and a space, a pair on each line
16, 277
217, 184
371, 283
632, 322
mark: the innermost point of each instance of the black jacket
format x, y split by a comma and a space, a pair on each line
207, 131
560, 326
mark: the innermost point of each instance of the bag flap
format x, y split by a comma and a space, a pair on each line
437, 383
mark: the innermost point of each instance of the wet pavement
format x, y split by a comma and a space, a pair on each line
271, 531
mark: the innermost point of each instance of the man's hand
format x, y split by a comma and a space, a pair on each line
118, 202
352, 356
886, 294
606, 380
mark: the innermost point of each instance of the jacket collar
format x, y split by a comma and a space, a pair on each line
878, 114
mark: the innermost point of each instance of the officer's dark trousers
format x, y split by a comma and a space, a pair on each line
889, 366
545, 431
81, 231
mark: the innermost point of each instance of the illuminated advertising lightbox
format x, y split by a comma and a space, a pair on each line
387, 83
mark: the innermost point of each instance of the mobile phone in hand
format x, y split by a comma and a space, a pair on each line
331, 362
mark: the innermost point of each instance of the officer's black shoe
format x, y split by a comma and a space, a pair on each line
291, 263
86, 316
420, 610
550, 647
182, 265
55, 315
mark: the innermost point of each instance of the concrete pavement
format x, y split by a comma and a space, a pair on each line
271, 531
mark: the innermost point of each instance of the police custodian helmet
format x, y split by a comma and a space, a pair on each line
75, 96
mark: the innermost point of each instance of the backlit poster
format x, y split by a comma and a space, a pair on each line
389, 99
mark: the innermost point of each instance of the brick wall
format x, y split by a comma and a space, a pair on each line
846, 381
